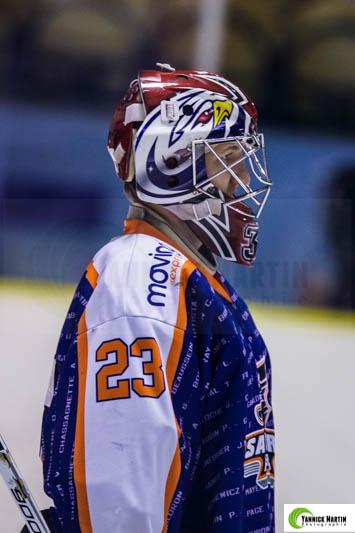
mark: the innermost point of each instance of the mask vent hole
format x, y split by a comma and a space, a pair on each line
188, 110
173, 181
171, 162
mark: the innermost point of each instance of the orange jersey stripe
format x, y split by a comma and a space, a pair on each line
91, 275
141, 226
171, 366
79, 446
171, 483
181, 321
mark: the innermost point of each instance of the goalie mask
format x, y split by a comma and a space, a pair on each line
189, 140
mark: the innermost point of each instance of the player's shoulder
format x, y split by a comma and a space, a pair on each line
136, 256
140, 275
143, 276
243, 315
115, 254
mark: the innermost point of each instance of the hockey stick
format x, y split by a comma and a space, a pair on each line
19, 490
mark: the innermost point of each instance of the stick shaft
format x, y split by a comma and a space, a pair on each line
20, 491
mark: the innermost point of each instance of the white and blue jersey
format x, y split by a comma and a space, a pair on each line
158, 417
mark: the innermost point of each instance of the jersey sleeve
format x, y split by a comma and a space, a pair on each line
126, 435
110, 433
126, 452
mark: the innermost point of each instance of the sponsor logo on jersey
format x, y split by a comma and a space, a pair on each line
164, 270
176, 264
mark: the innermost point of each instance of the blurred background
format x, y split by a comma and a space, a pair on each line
64, 65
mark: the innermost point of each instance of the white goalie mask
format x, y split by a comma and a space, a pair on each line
191, 134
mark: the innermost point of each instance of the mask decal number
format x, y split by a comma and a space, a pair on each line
251, 242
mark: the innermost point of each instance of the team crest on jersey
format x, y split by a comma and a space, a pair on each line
260, 444
259, 457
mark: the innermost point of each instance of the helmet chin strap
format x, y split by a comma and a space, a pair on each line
189, 211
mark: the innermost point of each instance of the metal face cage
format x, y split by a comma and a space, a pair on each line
250, 198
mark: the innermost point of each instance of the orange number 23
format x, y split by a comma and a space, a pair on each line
119, 389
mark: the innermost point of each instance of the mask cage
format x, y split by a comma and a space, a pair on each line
251, 197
